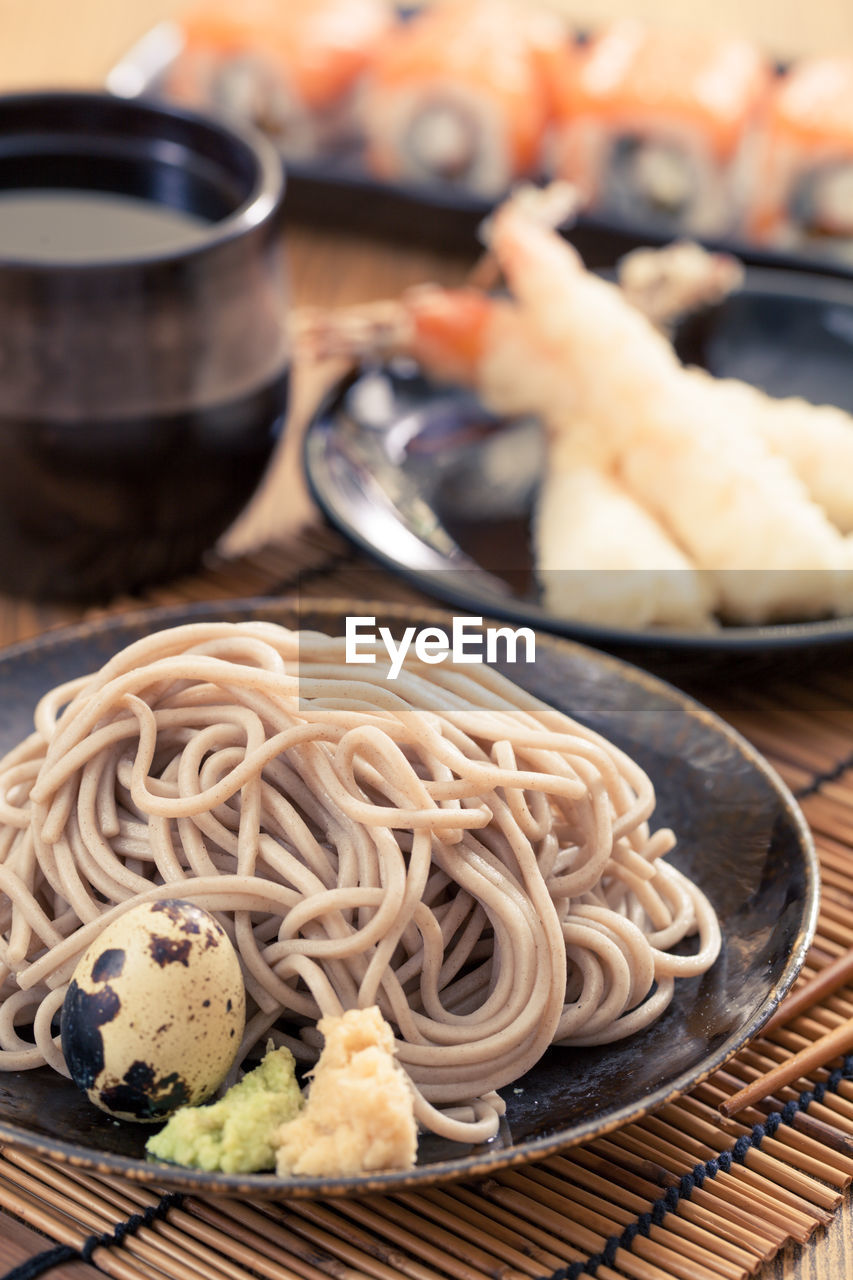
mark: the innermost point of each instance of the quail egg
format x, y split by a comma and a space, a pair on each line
155, 1011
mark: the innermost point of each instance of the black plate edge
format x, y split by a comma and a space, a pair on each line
343, 198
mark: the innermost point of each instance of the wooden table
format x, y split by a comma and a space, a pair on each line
47, 42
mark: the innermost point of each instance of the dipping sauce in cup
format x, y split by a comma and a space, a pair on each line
88, 225
143, 338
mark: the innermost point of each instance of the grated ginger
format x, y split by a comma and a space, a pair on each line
359, 1116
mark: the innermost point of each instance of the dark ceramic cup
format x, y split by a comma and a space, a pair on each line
143, 345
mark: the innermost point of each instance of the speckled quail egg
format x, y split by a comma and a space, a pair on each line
154, 1013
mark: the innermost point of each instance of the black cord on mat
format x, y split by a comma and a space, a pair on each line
642, 1225
43, 1262
313, 573
831, 775
653, 1217
688, 1183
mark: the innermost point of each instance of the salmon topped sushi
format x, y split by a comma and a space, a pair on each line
459, 95
804, 191
293, 69
655, 125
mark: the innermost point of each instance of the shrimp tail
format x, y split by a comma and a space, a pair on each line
448, 331
668, 283
372, 331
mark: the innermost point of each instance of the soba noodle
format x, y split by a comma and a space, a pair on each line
443, 845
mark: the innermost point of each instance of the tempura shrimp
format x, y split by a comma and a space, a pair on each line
600, 557
461, 336
816, 440
481, 340
710, 474
730, 503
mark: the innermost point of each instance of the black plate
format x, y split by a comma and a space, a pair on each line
741, 837
790, 334
336, 193
425, 480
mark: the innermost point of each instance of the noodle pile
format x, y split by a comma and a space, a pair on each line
443, 845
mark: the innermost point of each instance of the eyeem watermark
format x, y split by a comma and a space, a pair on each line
468, 641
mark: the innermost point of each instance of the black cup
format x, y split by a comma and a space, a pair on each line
142, 387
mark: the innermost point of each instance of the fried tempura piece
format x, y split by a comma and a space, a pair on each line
738, 510
681, 277
752, 491
601, 558
816, 440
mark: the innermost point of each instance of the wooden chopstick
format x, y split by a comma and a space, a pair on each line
834, 975
832, 1045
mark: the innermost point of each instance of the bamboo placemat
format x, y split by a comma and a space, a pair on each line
681, 1195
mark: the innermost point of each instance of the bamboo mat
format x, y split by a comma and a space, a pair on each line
680, 1195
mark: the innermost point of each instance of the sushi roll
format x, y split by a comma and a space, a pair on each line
459, 95
656, 124
292, 69
804, 188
